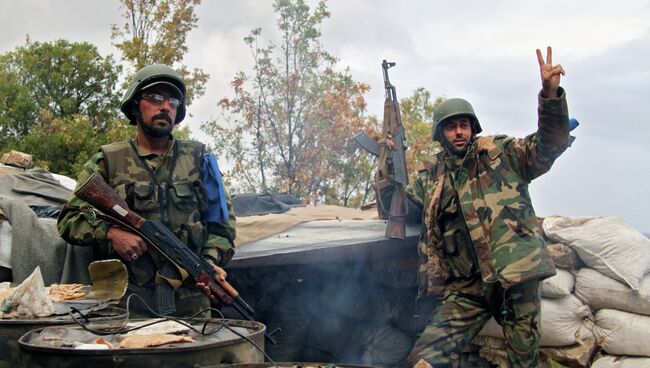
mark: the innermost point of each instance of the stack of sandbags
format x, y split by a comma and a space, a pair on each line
566, 328
614, 283
566, 322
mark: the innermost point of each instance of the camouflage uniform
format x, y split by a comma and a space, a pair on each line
163, 187
480, 246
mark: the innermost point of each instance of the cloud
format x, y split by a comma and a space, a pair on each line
481, 50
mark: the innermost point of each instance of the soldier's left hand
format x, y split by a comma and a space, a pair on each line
221, 273
220, 276
550, 73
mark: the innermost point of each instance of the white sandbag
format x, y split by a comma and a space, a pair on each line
610, 361
608, 244
565, 321
564, 256
623, 333
559, 285
600, 292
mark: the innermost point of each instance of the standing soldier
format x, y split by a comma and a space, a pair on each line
160, 178
481, 248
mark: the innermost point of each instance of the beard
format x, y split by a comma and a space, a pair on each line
453, 150
156, 131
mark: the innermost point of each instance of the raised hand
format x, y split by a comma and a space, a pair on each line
550, 73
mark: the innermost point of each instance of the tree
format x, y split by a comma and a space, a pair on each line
156, 32
63, 144
17, 109
417, 116
289, 126
61, 77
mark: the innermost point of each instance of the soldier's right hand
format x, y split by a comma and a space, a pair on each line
126, 244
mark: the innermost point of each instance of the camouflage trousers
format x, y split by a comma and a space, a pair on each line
467, 305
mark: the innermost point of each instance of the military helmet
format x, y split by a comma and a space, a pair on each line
148, 76
450, 108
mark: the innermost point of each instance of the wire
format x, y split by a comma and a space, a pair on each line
83, 320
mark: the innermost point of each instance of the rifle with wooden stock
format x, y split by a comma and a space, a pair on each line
392, 171
114, 209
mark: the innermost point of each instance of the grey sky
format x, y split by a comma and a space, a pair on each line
480, 50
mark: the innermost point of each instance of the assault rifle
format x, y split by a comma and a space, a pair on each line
392, 163
114, 209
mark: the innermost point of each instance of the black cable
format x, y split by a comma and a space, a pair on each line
181, 320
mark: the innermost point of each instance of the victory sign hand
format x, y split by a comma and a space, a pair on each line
550, 73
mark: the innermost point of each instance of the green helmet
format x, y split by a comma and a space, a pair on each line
450, 108
147, 77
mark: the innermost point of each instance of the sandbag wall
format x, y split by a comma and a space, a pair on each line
342, 312
596, 310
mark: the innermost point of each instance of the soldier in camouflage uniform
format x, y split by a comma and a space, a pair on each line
481, 249
160, 178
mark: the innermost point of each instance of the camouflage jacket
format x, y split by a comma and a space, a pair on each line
492, 187
79, 225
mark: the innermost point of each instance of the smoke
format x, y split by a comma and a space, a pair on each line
352, 312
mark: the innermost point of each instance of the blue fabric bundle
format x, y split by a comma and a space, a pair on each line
213, 184
573, 123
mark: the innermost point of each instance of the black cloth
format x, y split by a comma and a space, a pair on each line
251, 204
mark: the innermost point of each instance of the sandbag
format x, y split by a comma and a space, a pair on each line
608, 244
413, 315
383, 345
602, 292
559, 285
493, 350
623, 333
293, 321
396, 272
334, 335
609, 361
356, 342
576, 355
564, 256
363, 301
565, 321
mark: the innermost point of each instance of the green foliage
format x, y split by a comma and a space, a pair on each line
17, 109
155, 32
62, 145
61, 78
417, 116
290, 125
58, 100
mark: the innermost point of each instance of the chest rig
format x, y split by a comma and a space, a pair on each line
170, 192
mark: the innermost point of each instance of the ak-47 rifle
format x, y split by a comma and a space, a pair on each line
392, 163
114, 209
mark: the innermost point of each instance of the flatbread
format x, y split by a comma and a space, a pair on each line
145, 341
162, 327
66, 292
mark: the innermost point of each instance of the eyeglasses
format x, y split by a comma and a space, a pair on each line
158, 99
